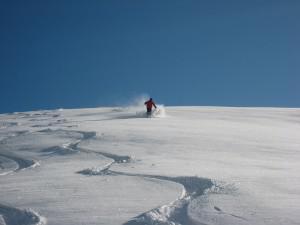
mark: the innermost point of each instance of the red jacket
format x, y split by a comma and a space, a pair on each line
149, 104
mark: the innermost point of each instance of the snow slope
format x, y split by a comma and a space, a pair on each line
186, 165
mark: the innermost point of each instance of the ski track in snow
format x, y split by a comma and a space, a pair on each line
67, 148
73, 147
4, 125
171, 214
21, 162
174, 213
14, 216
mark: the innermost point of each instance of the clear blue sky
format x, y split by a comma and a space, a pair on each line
65, 54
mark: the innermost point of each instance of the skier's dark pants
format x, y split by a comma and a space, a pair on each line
149, 110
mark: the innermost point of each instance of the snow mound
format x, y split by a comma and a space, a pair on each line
4, 124
176, 212
254, 151
7, 165
22, 163
65, 149
14, 216
96, 170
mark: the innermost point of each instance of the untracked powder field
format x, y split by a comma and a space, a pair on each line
180, 166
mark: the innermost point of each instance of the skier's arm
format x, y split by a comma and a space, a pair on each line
154, 105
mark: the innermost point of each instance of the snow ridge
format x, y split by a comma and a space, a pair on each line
171, 214
115, 158
65, 149
106, 169
22, 163
96, 170
68, 148
175, 212
11, 162
14, 216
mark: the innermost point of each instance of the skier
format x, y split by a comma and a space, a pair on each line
149, 104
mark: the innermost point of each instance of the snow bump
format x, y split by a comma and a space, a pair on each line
14, 216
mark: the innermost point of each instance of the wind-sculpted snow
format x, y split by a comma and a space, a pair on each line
7, 165
8, 135
173, 213
87, 134
14, 216
79, 135
21, 163
176, 212
93, 178
115, 158
179, 212
97, 170
106, 169
4, 124
67, 148
73, 147
41, 115
10, 162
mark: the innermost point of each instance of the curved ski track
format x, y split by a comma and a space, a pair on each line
173, 213
14, 216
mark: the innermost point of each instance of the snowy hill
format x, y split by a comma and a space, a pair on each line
186, 165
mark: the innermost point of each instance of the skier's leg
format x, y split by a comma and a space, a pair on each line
149, 112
